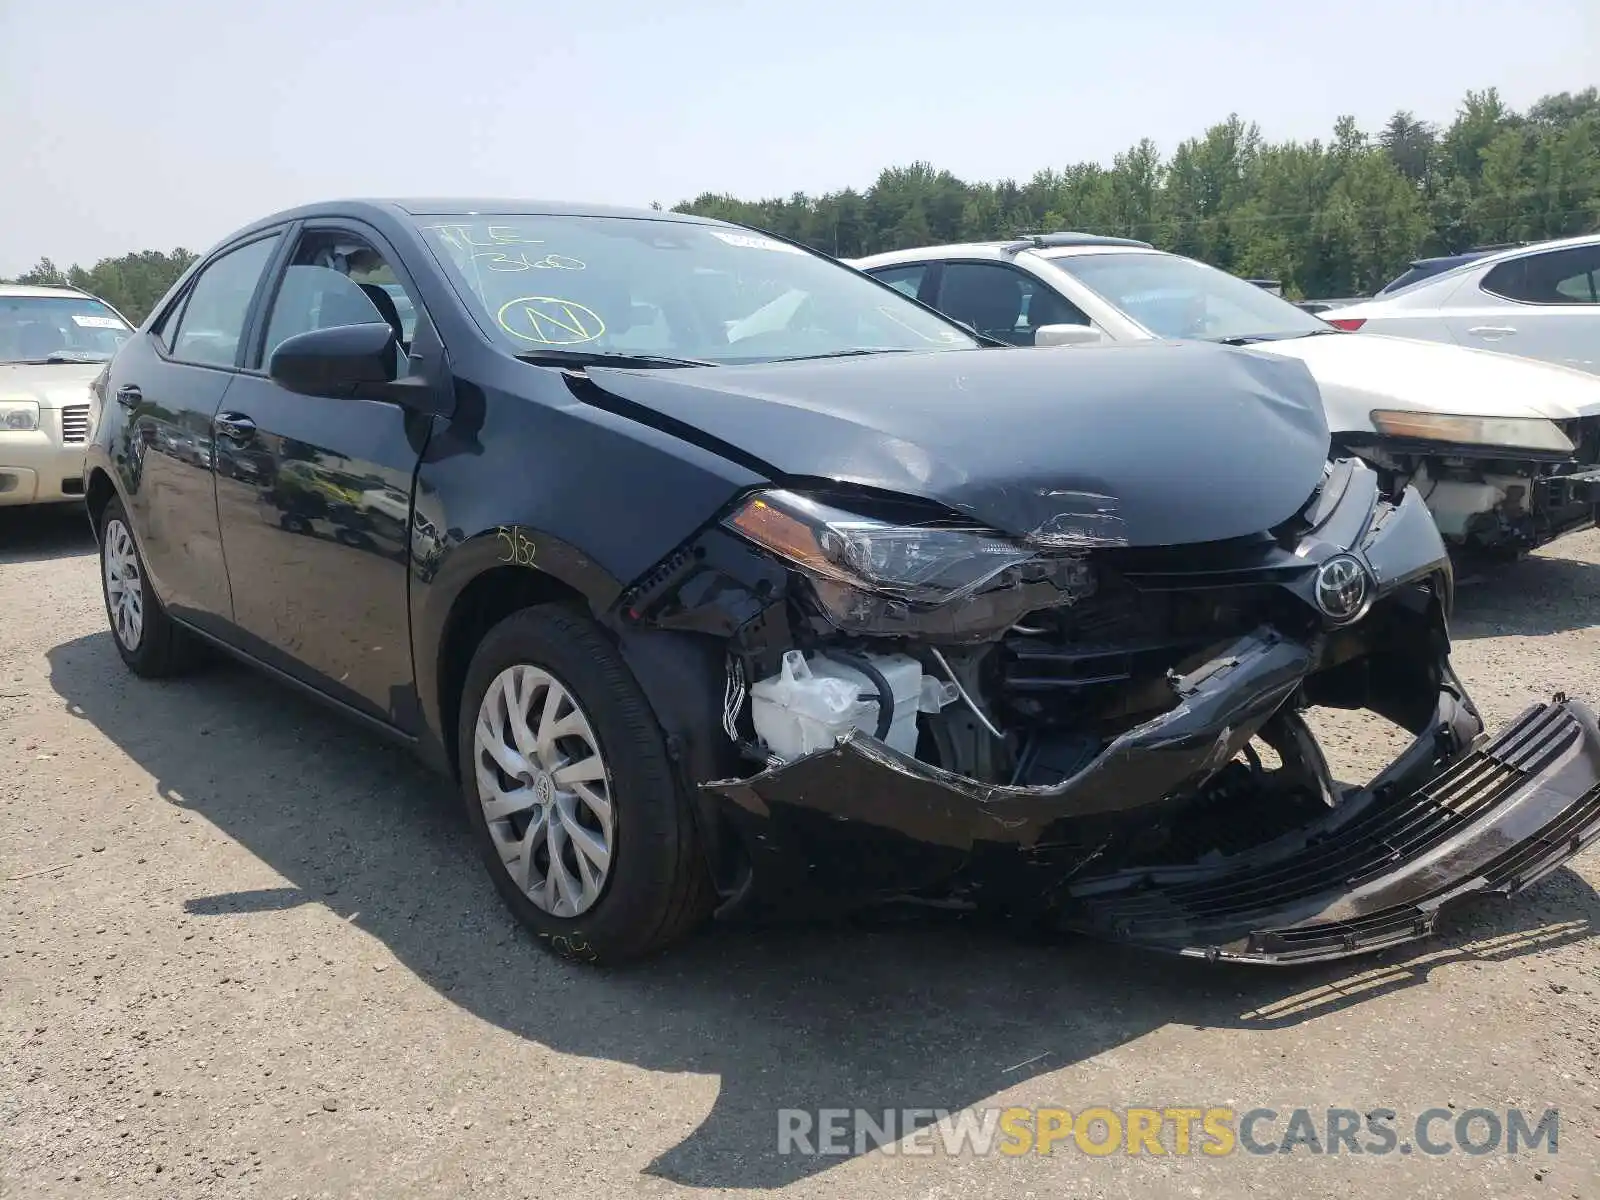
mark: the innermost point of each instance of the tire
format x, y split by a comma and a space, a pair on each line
656, 886
153, 645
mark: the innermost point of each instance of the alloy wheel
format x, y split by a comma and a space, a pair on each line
545, 790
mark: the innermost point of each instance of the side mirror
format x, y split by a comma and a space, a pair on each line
344, 360
1067, 335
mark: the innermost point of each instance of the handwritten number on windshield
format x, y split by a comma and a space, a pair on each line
499, 260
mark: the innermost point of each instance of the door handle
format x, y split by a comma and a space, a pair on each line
236, 427
1493, 331
129, 395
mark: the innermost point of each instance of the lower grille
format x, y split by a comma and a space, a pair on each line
75, 423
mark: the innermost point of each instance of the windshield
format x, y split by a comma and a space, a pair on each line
674, 290
58, 329
1177, 297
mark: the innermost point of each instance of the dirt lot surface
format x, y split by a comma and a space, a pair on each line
248, 951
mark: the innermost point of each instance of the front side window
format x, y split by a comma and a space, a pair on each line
337, 279
44, 329
212, 322
1002, 302
635, 286
1557, 277
1176, 297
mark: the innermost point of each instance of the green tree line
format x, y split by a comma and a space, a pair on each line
1327, 218
131, 284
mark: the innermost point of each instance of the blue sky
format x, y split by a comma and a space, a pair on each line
154, 123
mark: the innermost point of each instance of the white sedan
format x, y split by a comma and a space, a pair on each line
1505, 450
1540, 301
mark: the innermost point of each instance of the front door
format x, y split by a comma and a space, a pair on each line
316, 528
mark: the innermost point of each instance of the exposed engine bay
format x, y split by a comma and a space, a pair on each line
1108, 736
1500, 500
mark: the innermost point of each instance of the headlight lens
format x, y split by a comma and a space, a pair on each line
1522, 433
18, 416
921, 564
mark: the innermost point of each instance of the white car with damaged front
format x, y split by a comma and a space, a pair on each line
1506, 451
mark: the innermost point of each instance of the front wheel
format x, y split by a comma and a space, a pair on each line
571, 794
149, 641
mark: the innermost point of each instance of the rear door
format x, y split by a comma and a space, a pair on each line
316, 518
171, 382
1544, 305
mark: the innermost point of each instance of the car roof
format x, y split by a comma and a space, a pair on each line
1470, 260
38, 291
1493, 257
370, 207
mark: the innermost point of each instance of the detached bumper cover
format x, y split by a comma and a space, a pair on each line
1380, 867
1372, 872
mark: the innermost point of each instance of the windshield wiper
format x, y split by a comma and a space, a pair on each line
60, 357
1249, 339
583, 358
844, 353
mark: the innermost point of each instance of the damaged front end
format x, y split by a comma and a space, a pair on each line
1111, 735
1502, 486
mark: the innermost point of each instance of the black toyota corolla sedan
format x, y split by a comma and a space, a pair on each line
725, 579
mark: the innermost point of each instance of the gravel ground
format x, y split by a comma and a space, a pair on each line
248, 951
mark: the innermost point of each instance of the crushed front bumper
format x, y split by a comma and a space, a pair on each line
1378, 868
1444, 821
1158, 841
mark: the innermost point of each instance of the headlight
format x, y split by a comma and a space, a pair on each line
1521, 433
879, 575
18, 416
926, 564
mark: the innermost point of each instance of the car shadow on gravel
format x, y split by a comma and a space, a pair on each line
44, 532
891, 1010
1538, 595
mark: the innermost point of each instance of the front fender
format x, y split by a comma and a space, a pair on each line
525, 562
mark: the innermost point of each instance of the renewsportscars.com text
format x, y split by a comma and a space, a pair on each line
1212, 1131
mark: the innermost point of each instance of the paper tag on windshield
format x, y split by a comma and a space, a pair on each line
750, 241
84, 322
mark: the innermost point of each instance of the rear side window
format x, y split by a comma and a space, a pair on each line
903, 279
212, 322
1557, 277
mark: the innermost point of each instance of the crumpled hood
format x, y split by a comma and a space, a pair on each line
1143, 444
49, 385
1358, 372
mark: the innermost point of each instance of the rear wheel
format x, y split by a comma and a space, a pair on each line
148, 640
571, 795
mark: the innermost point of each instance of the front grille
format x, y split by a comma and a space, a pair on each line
1064, 666
75, 423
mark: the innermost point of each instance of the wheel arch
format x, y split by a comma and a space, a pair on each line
98, 493
486, 599
681, 674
